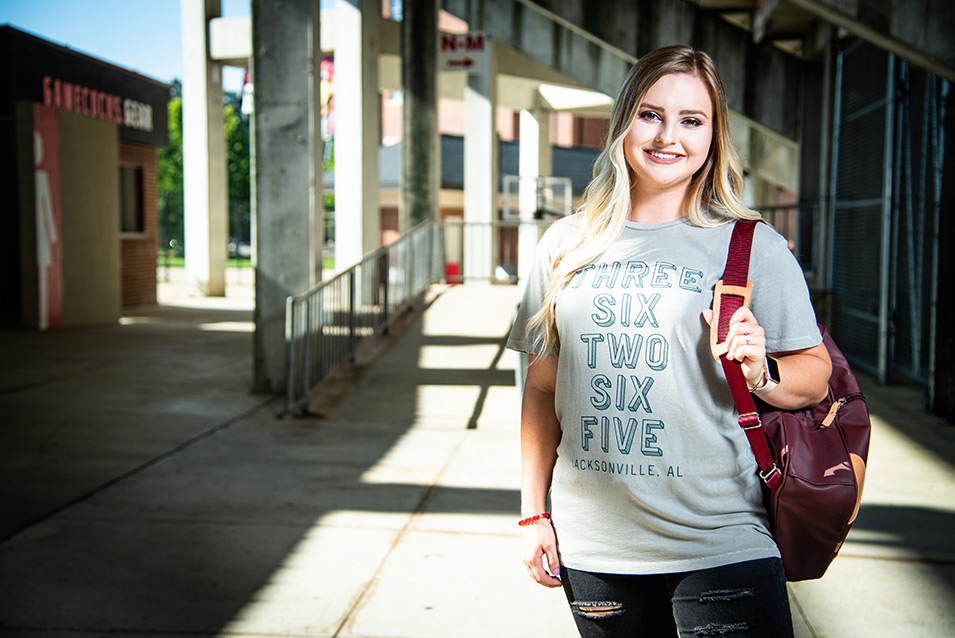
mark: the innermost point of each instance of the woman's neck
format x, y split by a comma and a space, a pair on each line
657, 207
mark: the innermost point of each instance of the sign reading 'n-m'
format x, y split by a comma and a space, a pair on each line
464, 52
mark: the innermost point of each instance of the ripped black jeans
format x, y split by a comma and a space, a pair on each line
743, 599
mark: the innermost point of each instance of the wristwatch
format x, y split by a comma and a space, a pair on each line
770, 378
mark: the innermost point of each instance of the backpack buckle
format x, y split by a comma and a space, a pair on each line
717, 347
750, 421
770, 473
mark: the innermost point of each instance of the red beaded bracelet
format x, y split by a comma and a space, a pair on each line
530, 520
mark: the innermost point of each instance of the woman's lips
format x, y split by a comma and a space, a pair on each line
662, 157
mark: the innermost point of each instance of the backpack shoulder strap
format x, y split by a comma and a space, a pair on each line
732, 293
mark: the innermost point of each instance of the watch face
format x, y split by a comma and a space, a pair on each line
773, 369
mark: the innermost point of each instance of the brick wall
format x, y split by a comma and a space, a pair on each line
138, 250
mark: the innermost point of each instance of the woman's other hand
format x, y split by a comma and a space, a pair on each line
540, 553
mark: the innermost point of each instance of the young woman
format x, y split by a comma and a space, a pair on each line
656, 524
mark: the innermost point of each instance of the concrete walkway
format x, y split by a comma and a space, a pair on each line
146, 492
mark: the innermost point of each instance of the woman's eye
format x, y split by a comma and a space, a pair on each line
650, 116
690, 121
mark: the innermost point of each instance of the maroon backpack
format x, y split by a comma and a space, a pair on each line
812, 461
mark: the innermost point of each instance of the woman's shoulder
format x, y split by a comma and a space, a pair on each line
570, 223
766, 237
563, 229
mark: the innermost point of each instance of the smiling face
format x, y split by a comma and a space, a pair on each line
670, 137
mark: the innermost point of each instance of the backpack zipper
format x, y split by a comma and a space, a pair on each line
834, 409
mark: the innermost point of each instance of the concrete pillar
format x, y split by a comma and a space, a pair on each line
481, 171
205, 189
534, 160
357, 219
286, 172
421, 167
816, 144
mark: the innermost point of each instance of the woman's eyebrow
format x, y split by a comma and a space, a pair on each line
683, 112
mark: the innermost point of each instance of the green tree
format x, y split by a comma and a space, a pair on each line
170, 174
239, 168
170, 178
328, 199
238, 165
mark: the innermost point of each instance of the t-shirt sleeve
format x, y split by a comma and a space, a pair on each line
536, 287
781, 299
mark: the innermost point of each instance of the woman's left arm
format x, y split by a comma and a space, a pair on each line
803, 378
803, 374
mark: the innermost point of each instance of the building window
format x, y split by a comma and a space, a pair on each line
131, 198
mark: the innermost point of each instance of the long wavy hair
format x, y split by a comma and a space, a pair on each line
714, 195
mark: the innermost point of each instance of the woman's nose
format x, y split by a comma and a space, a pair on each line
665, 134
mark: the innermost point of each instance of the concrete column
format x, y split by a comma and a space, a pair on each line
286, 172
822, 84
481, 171
534, 160
357, 219
420, 146
205, 190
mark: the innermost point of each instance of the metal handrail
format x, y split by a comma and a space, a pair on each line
325, 324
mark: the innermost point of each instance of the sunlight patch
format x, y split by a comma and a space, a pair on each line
459, 357
404, 463
228, 326
314, 585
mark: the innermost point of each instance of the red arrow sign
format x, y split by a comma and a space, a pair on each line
468, 52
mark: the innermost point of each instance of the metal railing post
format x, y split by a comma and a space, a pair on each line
289, 353
385, 278
351, 311
305, 309
409, 274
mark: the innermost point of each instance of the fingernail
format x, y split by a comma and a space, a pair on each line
557, 572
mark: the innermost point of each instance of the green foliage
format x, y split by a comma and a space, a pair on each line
328, 152
170, 180
328, 199
238, 164
238, 145
178, 261
237, 149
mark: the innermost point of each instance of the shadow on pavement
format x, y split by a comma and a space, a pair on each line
147, 491
919, 533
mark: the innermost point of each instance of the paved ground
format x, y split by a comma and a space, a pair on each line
145, 491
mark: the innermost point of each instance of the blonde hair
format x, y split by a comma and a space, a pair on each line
714, 194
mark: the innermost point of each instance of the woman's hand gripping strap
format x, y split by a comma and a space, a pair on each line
727, 299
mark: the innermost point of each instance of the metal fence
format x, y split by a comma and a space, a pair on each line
326, 324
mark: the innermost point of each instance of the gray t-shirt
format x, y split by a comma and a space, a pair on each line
653, 473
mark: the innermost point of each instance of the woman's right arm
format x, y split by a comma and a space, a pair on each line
540, 435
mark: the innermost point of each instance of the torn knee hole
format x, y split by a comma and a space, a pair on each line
724, 595
597, 609
718, 629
